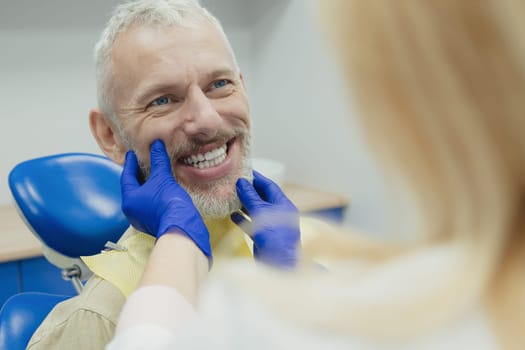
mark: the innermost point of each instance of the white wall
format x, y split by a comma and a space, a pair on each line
300, 101
46, 88
300, 112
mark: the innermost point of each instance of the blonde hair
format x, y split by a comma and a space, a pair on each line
441, 90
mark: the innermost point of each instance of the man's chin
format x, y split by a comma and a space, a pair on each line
215, 203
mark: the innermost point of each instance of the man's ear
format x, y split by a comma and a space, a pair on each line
241, 77
106, 136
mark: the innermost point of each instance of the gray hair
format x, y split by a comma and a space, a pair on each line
144, 13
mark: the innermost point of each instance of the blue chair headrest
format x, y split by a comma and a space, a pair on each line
72, 201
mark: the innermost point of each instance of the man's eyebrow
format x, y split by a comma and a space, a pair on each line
220, 72
152, 91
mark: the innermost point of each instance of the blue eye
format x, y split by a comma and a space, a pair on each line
220, 83
164, 100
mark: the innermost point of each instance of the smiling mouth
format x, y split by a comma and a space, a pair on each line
207, 159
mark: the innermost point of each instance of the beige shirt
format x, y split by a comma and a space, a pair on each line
87, 321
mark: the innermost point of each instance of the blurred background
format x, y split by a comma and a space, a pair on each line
301, 113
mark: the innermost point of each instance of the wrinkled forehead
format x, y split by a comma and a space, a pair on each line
142, 46
151, 40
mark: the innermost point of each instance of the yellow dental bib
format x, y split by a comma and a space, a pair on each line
124, 268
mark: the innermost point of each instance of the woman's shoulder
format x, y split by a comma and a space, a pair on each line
234, 304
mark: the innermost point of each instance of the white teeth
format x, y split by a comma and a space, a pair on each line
208, 159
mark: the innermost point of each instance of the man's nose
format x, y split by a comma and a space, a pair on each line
202, 119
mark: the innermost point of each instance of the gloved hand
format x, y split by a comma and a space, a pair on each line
160, 204
275, 221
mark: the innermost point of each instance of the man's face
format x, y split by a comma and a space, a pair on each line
181, 85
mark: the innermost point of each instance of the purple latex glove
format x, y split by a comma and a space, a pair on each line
275, 221
160, 205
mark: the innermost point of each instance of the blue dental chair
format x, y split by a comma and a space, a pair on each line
72, 203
